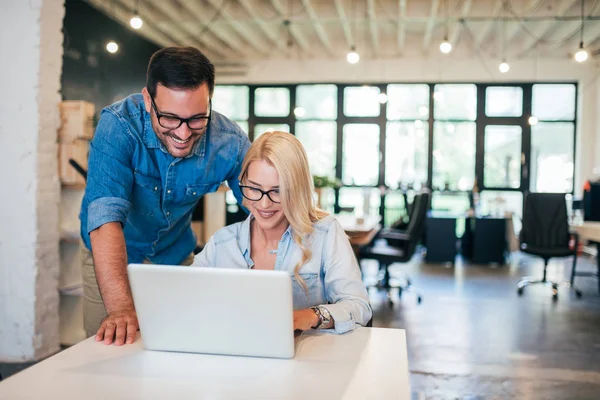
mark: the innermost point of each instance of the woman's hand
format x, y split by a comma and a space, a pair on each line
305, 319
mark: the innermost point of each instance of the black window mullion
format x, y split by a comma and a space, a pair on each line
430, 143
480, 135
526, 140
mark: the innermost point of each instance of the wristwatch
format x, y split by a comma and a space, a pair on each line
324, 316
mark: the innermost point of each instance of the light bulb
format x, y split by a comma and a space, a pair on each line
112, 47
504, 67
533, 120
382, 97
445, 47
581, 55
299, 112
136, 22
352, 57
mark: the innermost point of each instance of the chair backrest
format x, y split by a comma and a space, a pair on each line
545, 221
416, 225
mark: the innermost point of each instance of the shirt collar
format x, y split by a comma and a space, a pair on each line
244, 237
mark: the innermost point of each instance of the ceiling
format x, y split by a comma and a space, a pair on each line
235, 32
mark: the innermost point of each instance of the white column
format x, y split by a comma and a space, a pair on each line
30, 68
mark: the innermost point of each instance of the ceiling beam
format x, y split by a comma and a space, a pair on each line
458, 26
430, 25
401, 29
165, 10
487, 28
123, 14
518, 25
250, 9
372, 21
546, 28
249, 37
339, 6
298, 38
317, 25
195, 10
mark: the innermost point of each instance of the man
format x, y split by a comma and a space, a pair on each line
153, 156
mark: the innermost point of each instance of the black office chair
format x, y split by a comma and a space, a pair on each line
395, 246
545, 233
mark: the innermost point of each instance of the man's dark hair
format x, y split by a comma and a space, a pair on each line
180, 68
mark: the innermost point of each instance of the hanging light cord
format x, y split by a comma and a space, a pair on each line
582, 24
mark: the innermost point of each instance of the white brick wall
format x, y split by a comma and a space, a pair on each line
30, 67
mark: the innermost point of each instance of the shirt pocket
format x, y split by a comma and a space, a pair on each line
146, 193
194, 192
306, 298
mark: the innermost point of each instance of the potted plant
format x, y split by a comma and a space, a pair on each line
322, 181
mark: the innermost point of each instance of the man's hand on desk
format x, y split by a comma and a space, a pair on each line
120, 327
305, 319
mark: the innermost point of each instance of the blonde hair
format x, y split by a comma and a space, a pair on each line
286, 154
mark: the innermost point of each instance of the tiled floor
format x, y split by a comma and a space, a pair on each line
474, 338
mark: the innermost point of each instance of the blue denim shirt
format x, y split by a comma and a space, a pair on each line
332, 274
132, 179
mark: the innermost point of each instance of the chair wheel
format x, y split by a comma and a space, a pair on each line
520, 291
578, 294
419, 299
555, 296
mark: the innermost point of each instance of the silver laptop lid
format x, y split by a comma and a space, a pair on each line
214, 310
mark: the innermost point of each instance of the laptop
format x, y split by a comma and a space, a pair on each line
214, 310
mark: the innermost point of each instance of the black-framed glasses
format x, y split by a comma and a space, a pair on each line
173, 122
256, 194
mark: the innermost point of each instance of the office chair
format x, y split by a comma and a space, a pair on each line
396, 246
545, 233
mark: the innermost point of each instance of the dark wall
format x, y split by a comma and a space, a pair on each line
89, 71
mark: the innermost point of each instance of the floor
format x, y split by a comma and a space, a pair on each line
474, 338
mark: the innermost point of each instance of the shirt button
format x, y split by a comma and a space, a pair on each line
155, 188
168, 213
169, 191
194, 193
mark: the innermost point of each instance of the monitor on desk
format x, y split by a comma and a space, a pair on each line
591, 202
214, 310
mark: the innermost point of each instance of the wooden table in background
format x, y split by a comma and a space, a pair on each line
359, 232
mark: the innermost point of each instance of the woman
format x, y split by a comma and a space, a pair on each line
285, 231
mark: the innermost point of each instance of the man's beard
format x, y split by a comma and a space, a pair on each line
192, 141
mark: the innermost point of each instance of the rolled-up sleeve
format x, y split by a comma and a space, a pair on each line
110, 175
349, 303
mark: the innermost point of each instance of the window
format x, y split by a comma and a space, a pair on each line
259, 129
272, 102
360, 154
453, 155
552, 168
319, 141
554, 102
361, 101
317, 101
408, 102
502, 162
504, 101
405, 153
233, 102
455, 102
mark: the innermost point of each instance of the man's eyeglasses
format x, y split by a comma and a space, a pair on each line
172, 122
256, 194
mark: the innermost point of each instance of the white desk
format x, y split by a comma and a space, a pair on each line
365, 363
590, 231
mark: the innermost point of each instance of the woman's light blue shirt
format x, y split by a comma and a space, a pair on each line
332, 274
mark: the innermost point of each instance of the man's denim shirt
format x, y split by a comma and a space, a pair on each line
332, 274
132, 179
